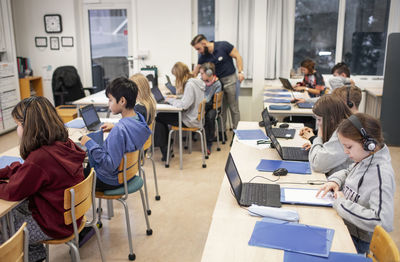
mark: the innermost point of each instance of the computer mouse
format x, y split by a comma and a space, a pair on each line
284, 125
261, 124
280, 172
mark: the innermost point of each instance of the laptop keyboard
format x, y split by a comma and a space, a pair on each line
255, 194
295, 153
283, 132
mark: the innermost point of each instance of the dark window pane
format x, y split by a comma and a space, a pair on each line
315, 33
365, 35
206, 18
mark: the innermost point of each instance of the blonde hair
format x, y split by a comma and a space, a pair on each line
145, 97
182, 75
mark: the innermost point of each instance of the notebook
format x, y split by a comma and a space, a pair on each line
305, 196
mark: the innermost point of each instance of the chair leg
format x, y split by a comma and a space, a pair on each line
131, 256
205, 142
168, 148
203, 151
47, 253
222, 130
149, 231
74, 251
143, 175
190, 141
99, 242
158, 197
186, 140
217, 131
99, 211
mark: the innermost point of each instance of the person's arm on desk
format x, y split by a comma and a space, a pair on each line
8, 171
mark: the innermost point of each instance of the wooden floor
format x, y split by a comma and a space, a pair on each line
180, 220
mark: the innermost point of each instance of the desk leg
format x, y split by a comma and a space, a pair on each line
180, 139
4, 228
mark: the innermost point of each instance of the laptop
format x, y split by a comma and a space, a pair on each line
90, 117
247, 194
286, 153
170, 86
278, 132
286, 84
158, 96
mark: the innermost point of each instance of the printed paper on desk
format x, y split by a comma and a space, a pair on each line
253, 143
305, 196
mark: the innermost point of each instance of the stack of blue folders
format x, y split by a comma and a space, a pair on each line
296, 167
251, 134
7, 160
276, 95
277, 100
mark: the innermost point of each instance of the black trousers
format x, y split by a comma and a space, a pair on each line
100, 185
161, 131
209, 125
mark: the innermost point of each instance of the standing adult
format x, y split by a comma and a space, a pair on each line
221, 54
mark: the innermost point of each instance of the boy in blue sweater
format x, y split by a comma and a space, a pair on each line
128, 135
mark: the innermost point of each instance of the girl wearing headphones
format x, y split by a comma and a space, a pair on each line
52, 163
326, 154
364, 193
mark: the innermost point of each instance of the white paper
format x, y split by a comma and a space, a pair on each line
307, 196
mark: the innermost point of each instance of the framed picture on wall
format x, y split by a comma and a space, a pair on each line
40, 41
67, 41
54, 43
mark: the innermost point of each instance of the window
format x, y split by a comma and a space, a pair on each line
315, 33
364, 39
206, 18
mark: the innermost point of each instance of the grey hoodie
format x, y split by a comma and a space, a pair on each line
334, 82
192, 96
371, 203
328, 157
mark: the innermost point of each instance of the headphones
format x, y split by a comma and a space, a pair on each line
368, 143
348, 102
209, 72
28, 102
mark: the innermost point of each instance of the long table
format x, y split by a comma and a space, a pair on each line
232, 226
100, 99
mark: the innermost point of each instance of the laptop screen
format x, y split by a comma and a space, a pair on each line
157, 94
233, 177
89, 115
268, 130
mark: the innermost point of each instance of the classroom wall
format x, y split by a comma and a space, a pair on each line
28, 23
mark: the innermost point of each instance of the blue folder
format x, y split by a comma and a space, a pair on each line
291, 166
277, 90
276, 95
7, 160
333, 257
277, 100
280, 107
291, 237
305, 105
76, 123
251, 134
97, 136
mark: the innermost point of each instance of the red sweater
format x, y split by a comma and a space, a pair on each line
42, 178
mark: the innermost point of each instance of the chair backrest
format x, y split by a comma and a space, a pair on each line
66, 85
130, 167
217, 103
15, 249
148, 142
202, 111
383, 247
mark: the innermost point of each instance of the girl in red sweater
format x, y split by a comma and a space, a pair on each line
52, 163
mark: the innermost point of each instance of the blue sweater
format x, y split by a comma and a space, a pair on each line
128, 135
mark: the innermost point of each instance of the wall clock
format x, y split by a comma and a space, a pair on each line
52, 23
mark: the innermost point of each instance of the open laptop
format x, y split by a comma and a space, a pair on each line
278, 132
247, 194
286, 84
158, 96
90, 117
170, 86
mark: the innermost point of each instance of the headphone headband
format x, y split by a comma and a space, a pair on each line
349, 103
369, 144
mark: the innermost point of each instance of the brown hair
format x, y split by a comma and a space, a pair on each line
42, 125
197, 39
145, 97
182, 75
333, 111
354, 94
371, 125
309, 64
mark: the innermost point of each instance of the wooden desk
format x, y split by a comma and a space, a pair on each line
373, 101
232, 226
100, 99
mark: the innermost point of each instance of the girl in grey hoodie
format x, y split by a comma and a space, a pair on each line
364, 192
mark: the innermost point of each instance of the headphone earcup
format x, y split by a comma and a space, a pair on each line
209, 72
369, 144
350, 104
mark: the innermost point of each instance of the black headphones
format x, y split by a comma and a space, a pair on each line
27, 103
348, 102
369, 144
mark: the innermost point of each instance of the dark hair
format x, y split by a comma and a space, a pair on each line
371, 125
309, 64
123, 87
341, 68
42, 125
354, 94
208, 66
197, 39
333, 110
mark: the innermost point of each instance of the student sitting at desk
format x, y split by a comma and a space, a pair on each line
128, 135
193, 94
364, 191
351, 95
313, 81
341, 76
213, 85
52, 163
145, 102
326, 154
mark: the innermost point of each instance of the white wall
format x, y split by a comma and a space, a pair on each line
28, 23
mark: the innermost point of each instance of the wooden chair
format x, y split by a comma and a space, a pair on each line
200, 130
128, 169
382, 247
77, 201
217, 106
15, 249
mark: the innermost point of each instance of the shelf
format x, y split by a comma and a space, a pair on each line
32, 85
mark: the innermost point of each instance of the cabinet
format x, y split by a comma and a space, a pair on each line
30, 86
